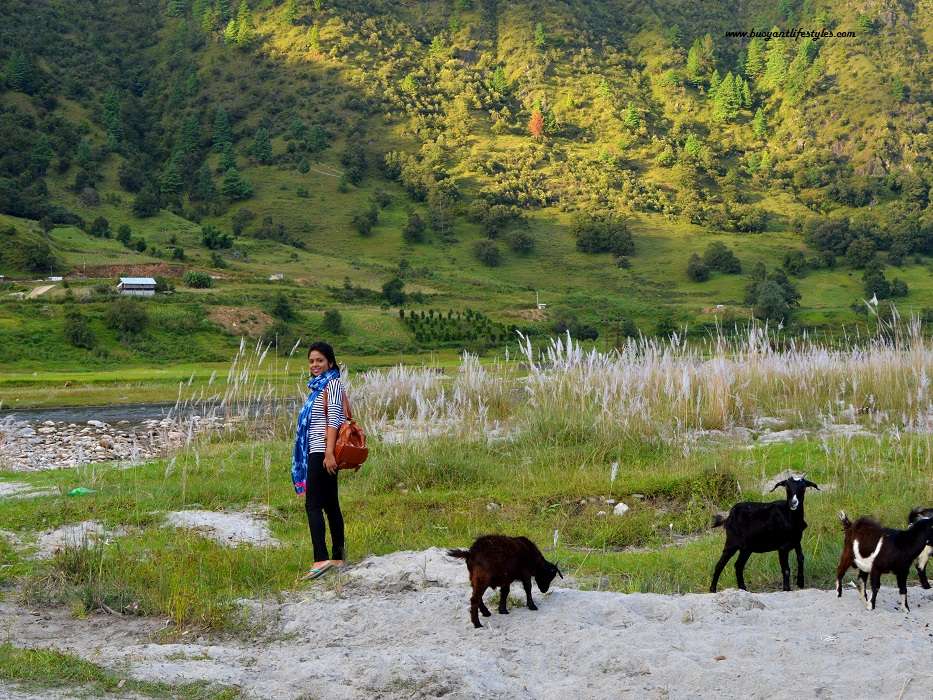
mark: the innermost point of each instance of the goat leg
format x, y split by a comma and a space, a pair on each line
799, 550
503, 600
476, 600
727, 553
863, 589
740, 568
902, 588
527, 584
922, 567
784, 557
845, 561
875, 585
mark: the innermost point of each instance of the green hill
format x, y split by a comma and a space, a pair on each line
478, 151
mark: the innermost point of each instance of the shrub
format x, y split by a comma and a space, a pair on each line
282, 308
393, 291
77, 331
487, 252
213, 239
126, 316
697, 271
603, 233
333, 322
718, 257
198, 280
521, 242
414, 229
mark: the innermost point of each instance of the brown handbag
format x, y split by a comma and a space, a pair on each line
350, 449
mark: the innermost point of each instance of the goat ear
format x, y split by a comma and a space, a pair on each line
780, 483
810, 484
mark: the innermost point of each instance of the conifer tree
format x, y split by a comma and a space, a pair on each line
113, 119
314, 39
262, 146
19, 73
714, 83
631, 119
203, 189
776, 65
235, 186
291, 11
746, 94
177, 8
231, 32
223, 10
755, 58
246, 32
227, 159
540, 38
222, 137
759, 124
536, 124
170, 183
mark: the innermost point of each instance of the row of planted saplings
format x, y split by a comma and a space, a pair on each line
496, 561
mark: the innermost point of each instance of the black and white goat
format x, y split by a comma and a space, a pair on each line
915, 515
765, 527
875, 550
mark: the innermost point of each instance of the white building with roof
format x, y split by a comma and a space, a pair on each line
137, 286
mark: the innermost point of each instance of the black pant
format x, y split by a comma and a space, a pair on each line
321, 498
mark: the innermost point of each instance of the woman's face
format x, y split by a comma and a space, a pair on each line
317, 363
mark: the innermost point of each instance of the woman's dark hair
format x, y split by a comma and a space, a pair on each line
325, 349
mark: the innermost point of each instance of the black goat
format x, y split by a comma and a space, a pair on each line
876, 550
915, 515
495, 561
765, 527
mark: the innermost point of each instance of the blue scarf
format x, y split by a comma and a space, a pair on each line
300, 455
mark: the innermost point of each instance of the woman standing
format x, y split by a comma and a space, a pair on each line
314, 468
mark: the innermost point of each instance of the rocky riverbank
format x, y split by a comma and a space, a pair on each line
26, 446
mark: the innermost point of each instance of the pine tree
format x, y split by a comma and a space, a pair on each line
170, 183
754, 59
714, 82
235, 186
246, 31
227, 159
746, 94
727, 99
203, 189
177, 8
20, 74
222, 136
498, 82
776, 65
631, 119
262, 146
231, 32
223, 10
113, 119
291, 11
694, 62
759, 124
536, 124
314, 39
540, 38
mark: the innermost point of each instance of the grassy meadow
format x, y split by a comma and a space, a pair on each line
532, 447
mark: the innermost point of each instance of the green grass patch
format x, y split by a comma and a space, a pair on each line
47, 668
446, 493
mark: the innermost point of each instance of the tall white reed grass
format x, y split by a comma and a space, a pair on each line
649, 389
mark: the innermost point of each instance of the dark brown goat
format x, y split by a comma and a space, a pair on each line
495, 561
875, 550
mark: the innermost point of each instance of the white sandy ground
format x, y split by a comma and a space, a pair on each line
229, 528
20, 489
398, 626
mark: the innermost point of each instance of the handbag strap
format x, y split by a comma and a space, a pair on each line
346, 407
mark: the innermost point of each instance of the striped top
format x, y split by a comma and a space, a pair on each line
317, 437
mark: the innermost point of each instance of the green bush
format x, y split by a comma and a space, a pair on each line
197, 280
333, 322
487, 252
77, 331
127, 316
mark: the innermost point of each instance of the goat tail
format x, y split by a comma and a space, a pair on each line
844, 519
458, 553
719, 520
